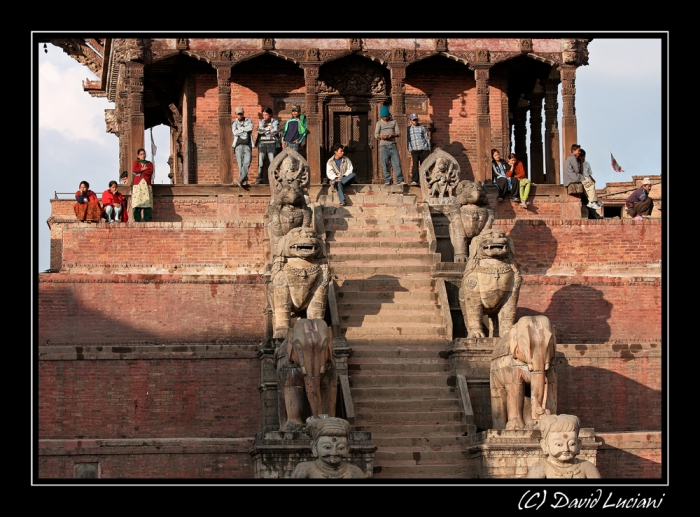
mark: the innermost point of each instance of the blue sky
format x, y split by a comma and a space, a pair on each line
618, 107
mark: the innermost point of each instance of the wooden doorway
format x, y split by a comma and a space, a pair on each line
352, 129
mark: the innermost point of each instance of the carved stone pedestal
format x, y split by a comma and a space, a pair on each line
275, 454
507, 454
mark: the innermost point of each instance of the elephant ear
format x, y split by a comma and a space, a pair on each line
513, 336
331, 355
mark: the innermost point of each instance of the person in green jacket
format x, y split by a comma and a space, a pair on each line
294, 130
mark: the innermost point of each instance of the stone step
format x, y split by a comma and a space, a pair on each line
420, 332
396, 319
417, 456
341, 252
412, 428
350, 221
387, 297
362, 200
375, 234
366, 271
379, 187
399, 470
422, 442
371, 210
385, 283
393, 393
396, 244
402, 417
368, 353
407, 404
383, 259
398, 344
392, 380
357, 368
360, 308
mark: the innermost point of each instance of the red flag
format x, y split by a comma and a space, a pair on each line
616, 167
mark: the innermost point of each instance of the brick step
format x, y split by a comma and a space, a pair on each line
378, 199
390, 470
405, 405
411, 429
348, 220
358, 309
377, 187
383, 260
422, 442
395, 244
370, 210
395, 319
367, 227
375, 234
402, 417
355, 368
395, 270
341, 252
369, 353
397, 344
417, 456
388, 283
420, 332
393, 393
392, 380
387, 297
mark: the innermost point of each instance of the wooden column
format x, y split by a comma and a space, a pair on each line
314, 123
125, 160
190, 153
223, 79
482, 167
397, 69
520, 132
536, 154
568, 97
505, 124
136, 117
551, 129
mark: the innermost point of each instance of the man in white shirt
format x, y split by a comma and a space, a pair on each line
339, 171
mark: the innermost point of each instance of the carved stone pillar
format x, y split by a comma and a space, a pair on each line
482, 167
520, 132
536, 154
314, 122
397, 69
551, 129
134, 73
568, 97
223, 79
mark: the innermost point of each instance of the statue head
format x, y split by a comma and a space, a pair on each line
560, 437
442, 165
330, 439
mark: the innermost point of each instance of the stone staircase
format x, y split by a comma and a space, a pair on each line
401, 385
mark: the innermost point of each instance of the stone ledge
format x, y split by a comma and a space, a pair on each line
73, 447
58, 352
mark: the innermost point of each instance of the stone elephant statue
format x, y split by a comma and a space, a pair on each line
523, 377
306, 370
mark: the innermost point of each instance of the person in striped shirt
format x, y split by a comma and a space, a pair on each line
418, 145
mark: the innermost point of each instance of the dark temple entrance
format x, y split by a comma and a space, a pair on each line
352, 130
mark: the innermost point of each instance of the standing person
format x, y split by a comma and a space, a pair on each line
142, 192
386, 131
588, 182
517, 170
87, 207
339, 171
114, 204
418, 145
268, 142
294, 130
639, 203
572, 166
242, 145
507, 185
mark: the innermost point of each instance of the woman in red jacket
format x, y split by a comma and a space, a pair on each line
114, 204
142, 196
87, 207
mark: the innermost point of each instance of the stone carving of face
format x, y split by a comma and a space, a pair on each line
331, 450
562, 446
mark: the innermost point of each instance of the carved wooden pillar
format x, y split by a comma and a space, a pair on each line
134, 72
482, 168
551, 129
190, 154
568, 97
397, 69
125, 159
536, 155
223, 79
314, 122
505, 124
520, 132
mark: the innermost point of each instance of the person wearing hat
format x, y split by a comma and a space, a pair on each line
330, 448
386, 131
639, 203
268, 141
294, 130
418, 145
242, 145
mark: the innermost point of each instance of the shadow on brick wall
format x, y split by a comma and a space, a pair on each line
620, 464
535, 247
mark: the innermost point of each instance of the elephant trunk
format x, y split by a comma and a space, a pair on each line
538, 389
313, 392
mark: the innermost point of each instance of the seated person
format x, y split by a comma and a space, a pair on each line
339, 171
588, 182
639, 203
517, 170
87, 207
507, 184
114, 204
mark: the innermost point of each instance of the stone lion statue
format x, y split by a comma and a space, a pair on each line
490, 285
471, 215
299, 278
287, 210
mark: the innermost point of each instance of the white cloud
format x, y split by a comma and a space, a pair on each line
65, 107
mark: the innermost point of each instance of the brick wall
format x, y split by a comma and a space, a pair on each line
150, 308
630, 455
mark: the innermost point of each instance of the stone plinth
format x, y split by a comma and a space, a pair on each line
507, 454
275, 453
